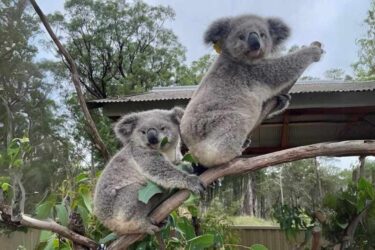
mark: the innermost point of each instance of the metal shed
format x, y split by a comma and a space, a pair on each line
319, 112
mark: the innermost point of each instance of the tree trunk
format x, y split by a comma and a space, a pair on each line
362, 160
318, 181
281, 186
250, 199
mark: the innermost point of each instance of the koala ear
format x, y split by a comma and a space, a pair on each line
124, 127
177, 114
279, 31
217, 30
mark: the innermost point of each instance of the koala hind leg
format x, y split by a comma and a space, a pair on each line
283, 101
220, 146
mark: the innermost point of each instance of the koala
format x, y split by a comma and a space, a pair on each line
142, 158
242, 87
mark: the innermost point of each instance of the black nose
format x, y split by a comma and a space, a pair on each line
152, 136
253, 41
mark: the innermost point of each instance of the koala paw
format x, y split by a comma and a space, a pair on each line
195, 185
152, 229
317, 51
246, 144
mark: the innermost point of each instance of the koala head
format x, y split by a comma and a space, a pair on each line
247, 37
149, 128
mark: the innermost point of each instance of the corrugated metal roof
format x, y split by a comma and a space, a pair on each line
185, 92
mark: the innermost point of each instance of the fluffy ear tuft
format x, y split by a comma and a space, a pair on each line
279, 30
124, 127
217, 30
177, 114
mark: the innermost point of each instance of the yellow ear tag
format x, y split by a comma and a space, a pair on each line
217, 48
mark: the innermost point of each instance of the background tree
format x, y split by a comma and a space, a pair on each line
192, 74
119, 47
334, 74
365, 67
26, 105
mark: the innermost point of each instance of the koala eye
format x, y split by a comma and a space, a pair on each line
241, 37
143, 132
162, 128
263, 35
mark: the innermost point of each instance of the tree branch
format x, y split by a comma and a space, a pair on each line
60, 230
98, 142
27, 221
243, 165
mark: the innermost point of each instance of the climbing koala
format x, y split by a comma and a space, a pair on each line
237, 91
143, 157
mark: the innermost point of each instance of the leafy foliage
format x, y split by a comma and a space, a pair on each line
293, 220
365, 67
120, 47
26, 105
357, 201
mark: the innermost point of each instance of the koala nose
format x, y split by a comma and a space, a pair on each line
152, 136
253, 41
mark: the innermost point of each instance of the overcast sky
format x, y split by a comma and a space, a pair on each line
336, 23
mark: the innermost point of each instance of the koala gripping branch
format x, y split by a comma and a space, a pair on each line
242, 165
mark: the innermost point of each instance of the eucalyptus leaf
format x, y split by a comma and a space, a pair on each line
164, 141
147, 192
258, 247
5, 186
201, 242
62, 214
108, 238
189, 158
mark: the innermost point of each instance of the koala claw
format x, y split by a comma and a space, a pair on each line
246, 144
159, 224
196, 185
152, 229
316, 44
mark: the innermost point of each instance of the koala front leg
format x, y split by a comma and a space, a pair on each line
281, 73
159, 170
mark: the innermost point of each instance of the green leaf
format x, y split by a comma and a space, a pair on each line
330, 201
5, 186
164, 141
62, 214
342, 225
17, 163
45, 235
87, 199
82, 177
258, 247
108, 238
201, 242
185, 227
56, 243
24, 140
367, 187
44, 210
189, 158
83, 212
148, 191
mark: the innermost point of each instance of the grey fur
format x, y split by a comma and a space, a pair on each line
116, 201
242, 86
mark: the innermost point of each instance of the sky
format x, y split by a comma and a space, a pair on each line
335, 23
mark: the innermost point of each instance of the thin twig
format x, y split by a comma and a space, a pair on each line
60, 230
